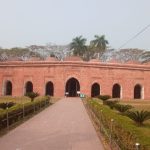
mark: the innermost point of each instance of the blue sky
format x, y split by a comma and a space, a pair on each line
27, 22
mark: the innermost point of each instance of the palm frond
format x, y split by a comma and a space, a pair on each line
122, 108
139, 116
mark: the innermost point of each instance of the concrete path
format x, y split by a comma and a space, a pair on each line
63, 126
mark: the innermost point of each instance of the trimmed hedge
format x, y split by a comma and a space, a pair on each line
104, 97
6, 105
111, 103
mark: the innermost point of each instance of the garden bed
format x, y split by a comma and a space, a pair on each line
22, 110
121, 130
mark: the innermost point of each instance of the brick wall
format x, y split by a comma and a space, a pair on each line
87, 73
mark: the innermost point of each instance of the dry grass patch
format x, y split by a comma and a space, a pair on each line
138, 104
18, 100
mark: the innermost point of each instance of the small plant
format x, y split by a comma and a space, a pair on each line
139, 116
104, 98
32, 95
7, 105
111, 103
122, 108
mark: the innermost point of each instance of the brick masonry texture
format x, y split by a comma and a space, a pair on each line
87, 73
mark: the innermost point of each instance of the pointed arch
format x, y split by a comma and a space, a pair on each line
8, 88
137, 91
28, 87
72, 87
49, 88
95, 90
116, 91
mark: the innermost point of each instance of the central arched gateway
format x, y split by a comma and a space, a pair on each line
72, 86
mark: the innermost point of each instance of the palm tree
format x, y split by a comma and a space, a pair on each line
139, 116
122, 108
78, 46
99, 44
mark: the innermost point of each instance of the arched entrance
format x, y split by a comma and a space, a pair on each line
95, 90
28, 87
137, 92
8, 88
116, 91
49, 89
72, 86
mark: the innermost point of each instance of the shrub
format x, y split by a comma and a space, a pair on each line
139, 116
47, 97
7, 104
111, 103
122, 108
32, 95
104, 97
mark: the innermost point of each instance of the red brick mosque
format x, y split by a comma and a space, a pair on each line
72, 76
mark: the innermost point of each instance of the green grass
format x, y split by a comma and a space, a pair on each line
142, 133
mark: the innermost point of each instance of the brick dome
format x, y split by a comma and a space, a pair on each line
146, 63
34, 59
113, 61
14, 59
94, 60
51, 59
132, 62
73, 58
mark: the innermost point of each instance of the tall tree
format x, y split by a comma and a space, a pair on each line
99, 44
78, 46
145, 57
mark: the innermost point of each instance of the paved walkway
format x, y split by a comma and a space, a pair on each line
63, 126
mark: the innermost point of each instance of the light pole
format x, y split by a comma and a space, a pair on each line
111, 128
137, 145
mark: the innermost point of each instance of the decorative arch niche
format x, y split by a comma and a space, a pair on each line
95, 90
116, 91
28, 87
49, 89
138, 91
8, 88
